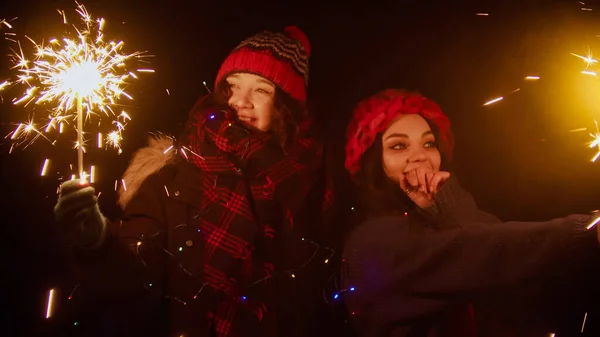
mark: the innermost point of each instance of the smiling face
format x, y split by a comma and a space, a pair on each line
253, 98
409, 143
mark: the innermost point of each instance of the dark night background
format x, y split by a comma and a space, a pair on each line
517, 156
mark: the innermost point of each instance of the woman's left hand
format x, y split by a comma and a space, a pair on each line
421, 185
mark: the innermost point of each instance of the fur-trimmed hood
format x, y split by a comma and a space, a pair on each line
145, 162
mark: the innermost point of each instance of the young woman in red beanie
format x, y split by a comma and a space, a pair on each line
215, 239
426, 261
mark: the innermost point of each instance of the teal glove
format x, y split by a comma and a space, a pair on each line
78, 213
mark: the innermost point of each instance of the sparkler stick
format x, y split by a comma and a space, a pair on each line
80, 136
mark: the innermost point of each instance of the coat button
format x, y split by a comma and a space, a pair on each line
176, 193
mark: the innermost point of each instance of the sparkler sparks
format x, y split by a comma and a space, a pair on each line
595, 143
73, 76
590, 62
6, 23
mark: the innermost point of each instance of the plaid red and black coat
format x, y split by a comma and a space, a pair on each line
221, 236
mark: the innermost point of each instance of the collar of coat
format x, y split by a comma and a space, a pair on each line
145, 162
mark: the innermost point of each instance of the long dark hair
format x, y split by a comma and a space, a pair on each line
378, 195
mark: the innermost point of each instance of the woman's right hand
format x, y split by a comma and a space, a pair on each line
421, 185
78, 213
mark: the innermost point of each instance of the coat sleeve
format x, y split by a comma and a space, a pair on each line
390, 263
454, 207
130, 259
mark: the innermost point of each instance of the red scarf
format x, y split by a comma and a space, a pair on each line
252, 190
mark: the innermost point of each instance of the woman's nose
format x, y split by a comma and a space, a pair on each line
417, 156
240, 100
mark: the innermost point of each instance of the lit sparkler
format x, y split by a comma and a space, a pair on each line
74, 76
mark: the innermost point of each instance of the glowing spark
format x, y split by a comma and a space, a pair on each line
4, 22
168, 93
532, 78
482, 14
45, 167
92, 174
586, 9
588, 59
84, 177
206, 86
587, 72
595, 143
124, 186
100, 140
50, 303
583, 325
114, 139
17, 131
593, 223
168, 149
493, 101
79, 72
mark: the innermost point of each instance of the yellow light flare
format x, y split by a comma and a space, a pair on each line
532, 78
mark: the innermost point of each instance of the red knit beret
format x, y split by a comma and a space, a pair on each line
373, 115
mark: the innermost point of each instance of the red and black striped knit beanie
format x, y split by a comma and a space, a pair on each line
279, 57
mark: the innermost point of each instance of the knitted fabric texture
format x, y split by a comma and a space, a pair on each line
373, 115
280, 57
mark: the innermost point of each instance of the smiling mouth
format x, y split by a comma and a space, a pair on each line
247, 119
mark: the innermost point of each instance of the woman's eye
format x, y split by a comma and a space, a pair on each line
263, 91
399, 146
431, 145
